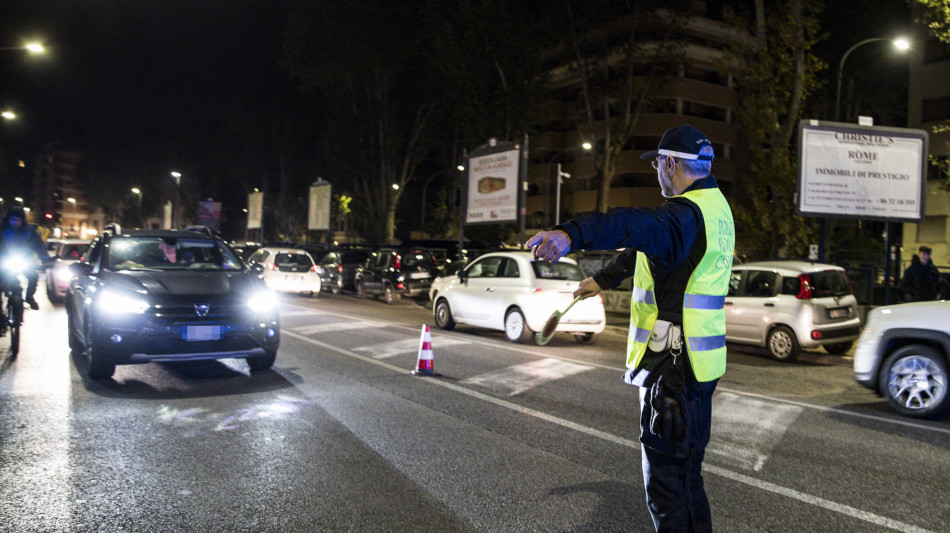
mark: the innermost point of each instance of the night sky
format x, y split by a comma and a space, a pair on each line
112, 64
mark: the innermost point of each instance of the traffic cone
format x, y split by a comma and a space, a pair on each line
424, 362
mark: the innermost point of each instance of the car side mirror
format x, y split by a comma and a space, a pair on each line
80, 268
463, 276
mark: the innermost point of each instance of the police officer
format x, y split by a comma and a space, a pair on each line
680, 257
18, 236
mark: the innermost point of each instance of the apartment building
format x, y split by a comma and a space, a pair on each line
58, 202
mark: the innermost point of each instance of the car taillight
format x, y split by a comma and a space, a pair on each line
339, 268
804, 287
271, 266
435, 261
397, 262
538, 291
313, 268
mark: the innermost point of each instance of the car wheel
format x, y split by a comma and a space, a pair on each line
390, 296
586, 338
914, 379
74, 343
260, 364
360, 289
782, 344
516, 329
838, 348
443, 315
98, 369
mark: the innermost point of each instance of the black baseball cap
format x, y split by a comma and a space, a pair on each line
683, 142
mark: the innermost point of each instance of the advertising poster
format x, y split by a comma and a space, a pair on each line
255, 210
209, 214
318, 211
848, 171
493, 188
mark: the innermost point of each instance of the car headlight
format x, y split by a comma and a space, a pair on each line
62, 273
15, 264
118, 303
263, 301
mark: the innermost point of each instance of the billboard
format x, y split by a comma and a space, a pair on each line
255, 210
318, 212
209, 214
864, 172
492, 187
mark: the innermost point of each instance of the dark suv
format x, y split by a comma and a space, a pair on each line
395, 272
338, 269
166, 295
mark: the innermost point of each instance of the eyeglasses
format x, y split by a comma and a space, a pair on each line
656, 162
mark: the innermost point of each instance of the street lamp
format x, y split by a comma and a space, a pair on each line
138, 196
33, 48
557, 209
9, 115
900, 43
177, 177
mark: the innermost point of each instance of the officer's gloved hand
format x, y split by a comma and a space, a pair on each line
668, 403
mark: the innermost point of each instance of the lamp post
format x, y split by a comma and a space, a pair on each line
900, 44
138, 196
557, 208
177, 177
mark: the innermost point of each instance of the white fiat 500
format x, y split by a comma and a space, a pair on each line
508, 291
287, 270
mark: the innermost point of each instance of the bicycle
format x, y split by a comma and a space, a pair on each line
13, 278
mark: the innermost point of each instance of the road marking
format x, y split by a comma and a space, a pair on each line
519, 378
297, 313
720, 388
746, 429
336, 326
719, 471
385, 350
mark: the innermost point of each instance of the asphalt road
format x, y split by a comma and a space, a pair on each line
340, 437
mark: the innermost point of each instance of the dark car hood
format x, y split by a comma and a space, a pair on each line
183, 283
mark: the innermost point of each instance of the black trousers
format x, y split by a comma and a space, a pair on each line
674, 485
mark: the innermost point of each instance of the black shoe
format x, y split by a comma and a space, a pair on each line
32, 301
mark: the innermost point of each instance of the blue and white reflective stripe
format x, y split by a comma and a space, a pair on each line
643, 296
702, 344
641, 335
704, 301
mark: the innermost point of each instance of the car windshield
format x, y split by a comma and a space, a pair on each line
72, 251
829, 283
566, 271
417, 258
168, 253
293, 260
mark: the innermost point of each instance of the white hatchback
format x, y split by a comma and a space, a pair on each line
508, 291
287, 270
789, 305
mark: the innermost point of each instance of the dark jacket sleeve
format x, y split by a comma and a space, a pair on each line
617, 270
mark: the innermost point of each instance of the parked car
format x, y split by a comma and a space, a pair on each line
338, 269
245, 250
903, 354
508, 291
287, 270
166, 295
786, 306
396, 272
58, 274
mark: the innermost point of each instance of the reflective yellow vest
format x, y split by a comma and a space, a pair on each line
704, 315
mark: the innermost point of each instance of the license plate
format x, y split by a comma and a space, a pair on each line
839, 312
202, 333
419, 275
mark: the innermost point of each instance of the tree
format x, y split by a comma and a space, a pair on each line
775, 72
936, 15
363, 56
622, 54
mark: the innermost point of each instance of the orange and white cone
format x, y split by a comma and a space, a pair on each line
424, 362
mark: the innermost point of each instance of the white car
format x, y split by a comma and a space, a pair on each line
65, 253
287, 270
789, 305
508, 291
904, 353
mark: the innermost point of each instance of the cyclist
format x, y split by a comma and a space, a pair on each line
19, 237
